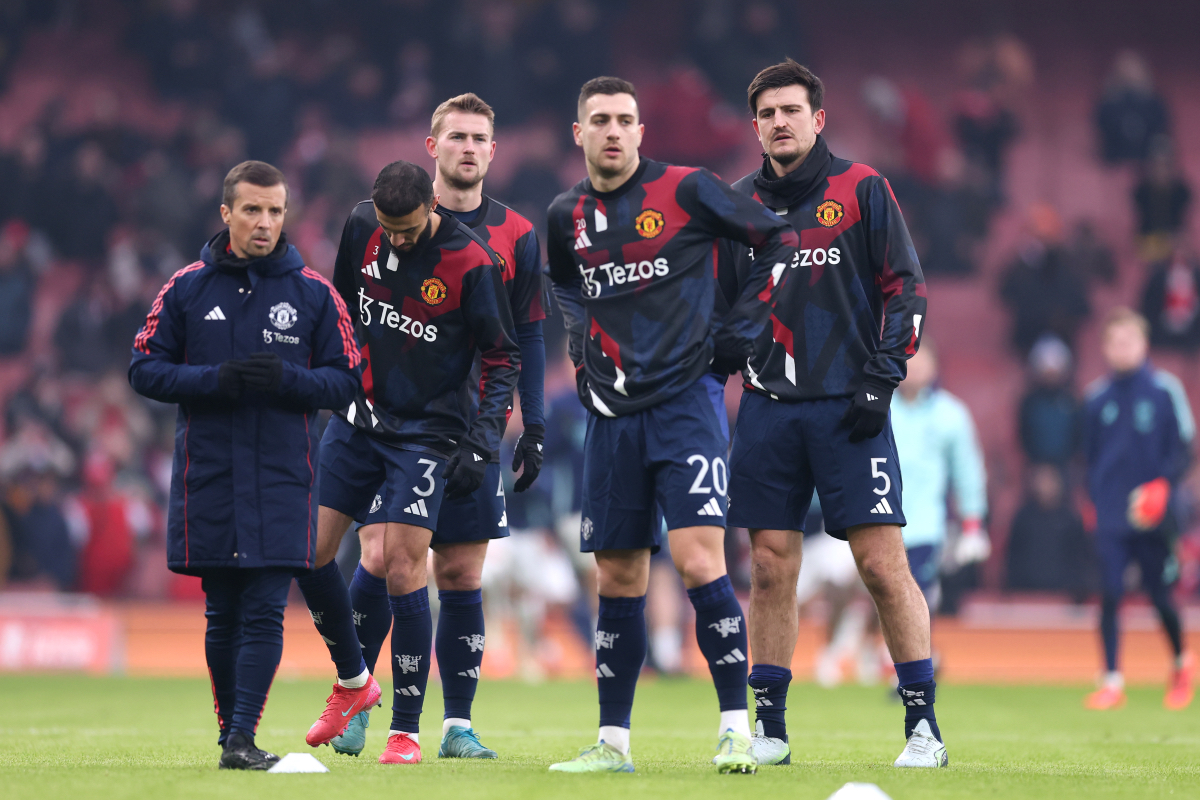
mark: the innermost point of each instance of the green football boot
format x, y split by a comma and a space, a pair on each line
460, 742
599, 757
352, 740
735, 754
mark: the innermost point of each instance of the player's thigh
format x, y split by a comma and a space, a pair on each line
618, 493
699, 553
479, 516
775, 557
370, 541
880, 555
687, 449
459, 566
352, 467
858, 483
1113, 553
770, 479
405, 553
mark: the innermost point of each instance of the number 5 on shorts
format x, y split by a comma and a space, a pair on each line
876, 473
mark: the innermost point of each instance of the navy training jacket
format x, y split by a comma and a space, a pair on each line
244, 473
1137, 428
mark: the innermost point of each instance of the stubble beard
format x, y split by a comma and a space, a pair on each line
460, 184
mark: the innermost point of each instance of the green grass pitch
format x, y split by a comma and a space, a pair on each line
83, 738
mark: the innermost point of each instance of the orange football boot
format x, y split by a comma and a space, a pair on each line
401, 750
1180, 690
340, 708
1105, 698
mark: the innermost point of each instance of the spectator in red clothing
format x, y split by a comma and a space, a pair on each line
107, 556
1171, 303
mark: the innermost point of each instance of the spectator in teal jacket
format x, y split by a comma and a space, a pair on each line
939, 458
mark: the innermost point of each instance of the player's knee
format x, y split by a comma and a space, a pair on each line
458, 576
372, 555
771, 568
880, 574
699, 566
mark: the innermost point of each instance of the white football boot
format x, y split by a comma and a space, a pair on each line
923, 750
768, 750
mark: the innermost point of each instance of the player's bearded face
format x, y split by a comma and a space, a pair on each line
463, 149
786, 125
609, 133
409, 232
256, 219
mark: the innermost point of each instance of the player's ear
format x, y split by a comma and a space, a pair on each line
492, 152
431, 146
577, 130
434, 204
819, 120
226, 213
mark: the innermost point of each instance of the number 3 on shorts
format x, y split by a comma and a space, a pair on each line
875, 473
430, 466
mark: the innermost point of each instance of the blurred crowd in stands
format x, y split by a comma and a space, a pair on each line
119, 120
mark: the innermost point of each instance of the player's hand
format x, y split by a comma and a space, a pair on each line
973, 546
262, 372
868, 412
529, 452
730, 357
1148, 504
464, 473
229, 379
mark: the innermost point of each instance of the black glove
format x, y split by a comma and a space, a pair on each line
464, 472
868, 411
731, 357
229, 379
262, 372
529, 452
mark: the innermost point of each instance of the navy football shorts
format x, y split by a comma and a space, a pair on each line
355, 469
782, 451
1151, 550
673, 455
480, 515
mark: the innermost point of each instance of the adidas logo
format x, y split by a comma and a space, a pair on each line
417, 509
603, 671
329, 641
711, 509
411, 691
503, 520
762, 702
477, 456
732, 658
473, 672
216, 313
371, 269
582, 242
882, 507
871, 397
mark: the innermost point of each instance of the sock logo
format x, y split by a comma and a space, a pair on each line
732, 657
358, 618
912, 698
603, 671
762, 702
727, 626
473, 672
475, 642
316, 615
408, 664
605, 640
411, 691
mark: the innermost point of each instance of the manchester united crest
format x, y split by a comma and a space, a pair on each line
649, 223
433, 291
830, 213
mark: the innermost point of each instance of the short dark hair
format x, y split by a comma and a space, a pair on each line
401, 188
255, 173
604, 85
786, 73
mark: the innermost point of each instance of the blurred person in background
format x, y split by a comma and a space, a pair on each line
1171, 302
1130, 114
1138, 433
1048, 420
17, 284
250, 343
1089, 255
937, 444
1041, 289
1161, 199
1047, 549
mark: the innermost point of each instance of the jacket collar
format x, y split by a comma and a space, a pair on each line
790, 190
284, 258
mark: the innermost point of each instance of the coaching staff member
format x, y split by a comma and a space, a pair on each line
250, 343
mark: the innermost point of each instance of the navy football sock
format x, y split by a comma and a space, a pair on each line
770, 685
459, 644
328, 601
721, 634
916, 691
412, 640
1108, 630
372, 615
620, 651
